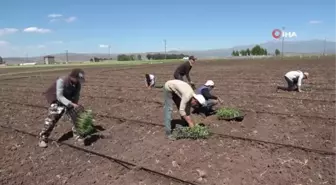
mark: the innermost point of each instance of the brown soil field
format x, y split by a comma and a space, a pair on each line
286, 138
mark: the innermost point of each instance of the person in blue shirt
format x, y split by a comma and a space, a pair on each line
211, 100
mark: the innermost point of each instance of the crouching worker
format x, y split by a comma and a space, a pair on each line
294, 80
151, 81
184, 98
61, 95
211, 100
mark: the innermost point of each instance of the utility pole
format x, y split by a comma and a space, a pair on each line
282, 44
165, 48
109, 51
66, 56
26, 59
324, 46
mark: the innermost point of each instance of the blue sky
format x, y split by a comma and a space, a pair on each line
39, 27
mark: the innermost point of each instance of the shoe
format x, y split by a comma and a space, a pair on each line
79, 139
42, 144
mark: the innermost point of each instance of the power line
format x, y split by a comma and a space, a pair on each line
165, 48
66, 56
282, 44
324, 46
109, 51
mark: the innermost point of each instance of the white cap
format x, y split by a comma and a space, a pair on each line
209, 83
200, 98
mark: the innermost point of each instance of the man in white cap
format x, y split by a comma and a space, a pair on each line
294, 80
211, 100
184, 98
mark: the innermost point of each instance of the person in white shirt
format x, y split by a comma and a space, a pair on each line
150, 81
184, 97
294, 80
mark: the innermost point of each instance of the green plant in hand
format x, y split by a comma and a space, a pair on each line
196, 132
85, 123
228, 113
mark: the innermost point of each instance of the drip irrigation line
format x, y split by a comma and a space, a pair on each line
161, 104
118, 161
219, 94
122, 120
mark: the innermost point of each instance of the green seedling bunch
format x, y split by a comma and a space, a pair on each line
196, 132
85, 123
228, 113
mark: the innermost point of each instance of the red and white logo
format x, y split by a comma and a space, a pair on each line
277, 34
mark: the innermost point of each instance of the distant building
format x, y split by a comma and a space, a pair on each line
49, 59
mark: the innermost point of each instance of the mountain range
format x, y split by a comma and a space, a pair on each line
290, 48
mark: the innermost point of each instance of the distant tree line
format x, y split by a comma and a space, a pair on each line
96, 59
159, 56
256, 50
124, 57
150, 56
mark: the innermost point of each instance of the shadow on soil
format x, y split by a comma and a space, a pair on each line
88, 141
178, 123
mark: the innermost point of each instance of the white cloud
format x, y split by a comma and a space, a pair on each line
54, 15
5, 31
315, 22
71, 19
3, 43
103, 46
36, 30
41, 46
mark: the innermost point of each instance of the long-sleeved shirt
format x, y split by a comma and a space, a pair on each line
295, 75
60, 93
207, 95
183, 70
184, 91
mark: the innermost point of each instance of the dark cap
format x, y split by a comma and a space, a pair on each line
78, 74
192, 58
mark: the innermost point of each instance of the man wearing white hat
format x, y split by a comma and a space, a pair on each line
184, 98
294, 80
211, 100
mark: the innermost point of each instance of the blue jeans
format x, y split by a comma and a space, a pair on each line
168, 109
210, 104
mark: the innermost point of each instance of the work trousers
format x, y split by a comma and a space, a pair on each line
55, 112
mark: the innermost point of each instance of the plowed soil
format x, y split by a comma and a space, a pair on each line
286, 138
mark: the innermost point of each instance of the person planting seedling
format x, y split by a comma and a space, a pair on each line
211, 100
150, 81
184, 98
294, 80
184, 70
62, 95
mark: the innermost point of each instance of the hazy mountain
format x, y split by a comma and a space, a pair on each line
290, 47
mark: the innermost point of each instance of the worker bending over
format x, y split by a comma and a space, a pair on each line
294, 80
184, 98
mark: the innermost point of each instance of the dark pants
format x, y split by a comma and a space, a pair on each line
291, 85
